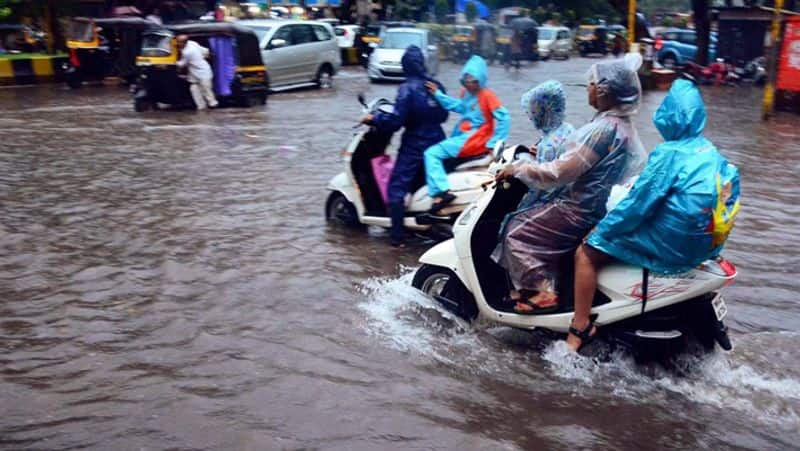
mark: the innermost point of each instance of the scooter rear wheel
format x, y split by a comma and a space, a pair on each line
339, 210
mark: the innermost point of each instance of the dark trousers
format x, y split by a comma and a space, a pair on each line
408, 168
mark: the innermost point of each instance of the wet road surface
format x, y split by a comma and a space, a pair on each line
168, 282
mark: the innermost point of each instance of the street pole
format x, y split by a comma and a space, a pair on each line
631, 22
772, 61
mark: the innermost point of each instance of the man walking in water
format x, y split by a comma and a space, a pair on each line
193, 57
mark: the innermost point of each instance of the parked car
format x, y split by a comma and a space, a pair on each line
384, 62
677, 46
554, 42
297, 52
346, 35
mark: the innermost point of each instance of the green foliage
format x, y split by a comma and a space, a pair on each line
441, 8
556, 18
667, 21
471, 12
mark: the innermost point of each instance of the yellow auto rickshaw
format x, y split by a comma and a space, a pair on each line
240, 77
462, 43
99, 48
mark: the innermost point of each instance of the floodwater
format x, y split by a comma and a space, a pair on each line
168, 281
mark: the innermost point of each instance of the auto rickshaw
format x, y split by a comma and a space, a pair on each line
502, 43
21, 38
485, 40
99, 48
527, 31
462, 43
240, 77
368, 38
592, 39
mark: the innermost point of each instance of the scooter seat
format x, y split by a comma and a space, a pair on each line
467, 163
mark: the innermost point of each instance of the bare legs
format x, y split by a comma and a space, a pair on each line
588, 261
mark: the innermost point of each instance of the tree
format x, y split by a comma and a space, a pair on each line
570, 17
556, 18
441, 9
702, 26
471, 12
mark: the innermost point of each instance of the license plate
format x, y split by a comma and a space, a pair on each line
720, 309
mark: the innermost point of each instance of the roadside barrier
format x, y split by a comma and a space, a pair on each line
31, 69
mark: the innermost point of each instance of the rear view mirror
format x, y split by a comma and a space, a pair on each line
277, 43
362, 100
432, 48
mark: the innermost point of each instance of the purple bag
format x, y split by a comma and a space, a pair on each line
382, 167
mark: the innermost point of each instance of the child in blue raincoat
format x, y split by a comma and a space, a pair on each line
485, 121
677, 215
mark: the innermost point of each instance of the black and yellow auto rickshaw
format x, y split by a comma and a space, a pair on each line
485, 40
527, 31
99, 48
19, 38
462, 43
368, 38
503, 44
240, 77
592, 39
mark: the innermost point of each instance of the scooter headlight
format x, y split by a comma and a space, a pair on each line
466, 215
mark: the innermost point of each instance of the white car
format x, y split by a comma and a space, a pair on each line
346, 35
554, 42
384, 62
297, 52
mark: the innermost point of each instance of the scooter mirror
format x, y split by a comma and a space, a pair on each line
362, 100
499, 147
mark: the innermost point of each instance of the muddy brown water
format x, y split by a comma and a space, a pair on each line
168, 281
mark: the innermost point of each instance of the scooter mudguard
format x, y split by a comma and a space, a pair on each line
341, 183
443, 254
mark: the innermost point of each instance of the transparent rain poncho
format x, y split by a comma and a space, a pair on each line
602, 153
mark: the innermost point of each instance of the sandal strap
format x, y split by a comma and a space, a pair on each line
584, 334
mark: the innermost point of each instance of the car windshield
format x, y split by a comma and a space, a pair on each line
506, 32
81, 31
464, 31
261, 32
586, 32
156, 45
372, 30
547, 33
400, 40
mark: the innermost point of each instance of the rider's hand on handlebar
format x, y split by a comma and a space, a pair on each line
367, 119
506, 172
432, 87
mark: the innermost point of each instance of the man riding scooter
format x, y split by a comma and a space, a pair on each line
422, 116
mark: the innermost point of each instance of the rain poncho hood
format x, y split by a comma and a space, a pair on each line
413, 62
682, 114
683, 205
476, 66
545, 105
620, 80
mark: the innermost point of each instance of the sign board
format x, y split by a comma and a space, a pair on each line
789, 62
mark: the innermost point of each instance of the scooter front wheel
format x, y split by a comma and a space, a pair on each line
445, 287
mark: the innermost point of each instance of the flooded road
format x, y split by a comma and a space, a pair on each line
168, 281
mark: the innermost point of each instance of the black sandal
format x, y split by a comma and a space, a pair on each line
584, 335
444, 200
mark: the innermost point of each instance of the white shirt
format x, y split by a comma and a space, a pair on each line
194, 56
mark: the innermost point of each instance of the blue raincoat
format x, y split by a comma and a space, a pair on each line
681, 209
484, 121
420, 114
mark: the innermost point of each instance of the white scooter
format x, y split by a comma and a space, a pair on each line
653, 316
356, 199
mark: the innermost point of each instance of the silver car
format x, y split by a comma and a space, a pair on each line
384, 63
297, 52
